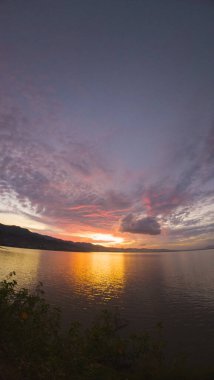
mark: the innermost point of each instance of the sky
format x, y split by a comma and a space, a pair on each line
107, 120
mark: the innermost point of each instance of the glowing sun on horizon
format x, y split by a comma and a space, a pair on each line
105, 239
108, 238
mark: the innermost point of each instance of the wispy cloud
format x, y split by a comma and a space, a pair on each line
72, 185
181, 202
64, 186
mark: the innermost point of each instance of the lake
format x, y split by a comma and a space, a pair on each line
176, 288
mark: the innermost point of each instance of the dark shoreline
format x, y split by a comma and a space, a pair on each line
18, 237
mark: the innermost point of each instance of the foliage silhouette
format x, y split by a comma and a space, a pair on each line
32, 345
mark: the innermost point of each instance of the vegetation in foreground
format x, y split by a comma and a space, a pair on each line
32, 345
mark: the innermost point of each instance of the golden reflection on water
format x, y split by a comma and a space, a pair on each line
25, 262
98, 274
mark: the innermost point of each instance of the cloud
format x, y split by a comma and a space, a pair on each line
114, 200
187, 179
135, 225
70, 183
63, 184
181, 197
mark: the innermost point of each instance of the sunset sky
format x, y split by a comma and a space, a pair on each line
107, 120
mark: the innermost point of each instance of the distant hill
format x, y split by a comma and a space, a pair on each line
14, 236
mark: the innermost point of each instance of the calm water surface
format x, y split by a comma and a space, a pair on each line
175, 288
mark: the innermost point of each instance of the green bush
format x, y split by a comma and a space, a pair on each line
32, 345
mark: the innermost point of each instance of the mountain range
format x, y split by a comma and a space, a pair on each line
15, 236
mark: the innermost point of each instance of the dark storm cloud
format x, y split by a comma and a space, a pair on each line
136, 225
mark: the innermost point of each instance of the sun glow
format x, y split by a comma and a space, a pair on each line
101, 238
107, 237
98, 275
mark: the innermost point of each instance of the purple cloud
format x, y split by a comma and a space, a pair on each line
135, 225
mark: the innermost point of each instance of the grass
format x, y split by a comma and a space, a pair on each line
33, 346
